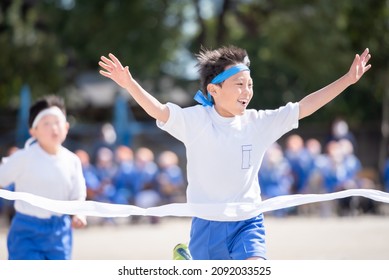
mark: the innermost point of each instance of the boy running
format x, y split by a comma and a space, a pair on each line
47, 169
225, 142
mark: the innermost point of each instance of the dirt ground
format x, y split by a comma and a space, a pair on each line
291, 238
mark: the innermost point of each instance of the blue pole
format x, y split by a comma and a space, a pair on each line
22, 133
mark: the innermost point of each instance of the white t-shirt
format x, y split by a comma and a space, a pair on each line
34, 171
224, 154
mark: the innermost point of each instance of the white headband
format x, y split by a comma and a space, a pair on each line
54, 110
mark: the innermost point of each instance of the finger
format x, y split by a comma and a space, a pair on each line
367, 68
107, 61
115, 60
105, 66
367, 58
105, 74
356, 60
365, 53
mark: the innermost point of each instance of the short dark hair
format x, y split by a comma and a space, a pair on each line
212, 62
44, 103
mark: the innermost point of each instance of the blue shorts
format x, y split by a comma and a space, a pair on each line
212, 240
31, 238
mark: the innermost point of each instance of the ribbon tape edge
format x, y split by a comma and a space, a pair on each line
222, 212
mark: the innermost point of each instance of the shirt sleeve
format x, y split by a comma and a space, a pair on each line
10, 168
276, 123
185, 124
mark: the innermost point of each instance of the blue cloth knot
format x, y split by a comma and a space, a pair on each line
200, 98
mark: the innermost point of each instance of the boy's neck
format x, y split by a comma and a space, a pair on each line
52, 150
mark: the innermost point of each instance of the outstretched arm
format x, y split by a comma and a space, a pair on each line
318, 99
122, 76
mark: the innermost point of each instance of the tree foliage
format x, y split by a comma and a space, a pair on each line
295, 47
47, 44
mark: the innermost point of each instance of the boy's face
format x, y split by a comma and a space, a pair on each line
233, 95
50, 132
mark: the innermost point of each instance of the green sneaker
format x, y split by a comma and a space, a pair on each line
181, 252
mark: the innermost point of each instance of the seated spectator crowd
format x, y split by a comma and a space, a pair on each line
304, 167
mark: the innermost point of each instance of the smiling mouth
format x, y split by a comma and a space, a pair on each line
243, 102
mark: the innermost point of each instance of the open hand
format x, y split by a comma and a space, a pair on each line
115, 70
359, 66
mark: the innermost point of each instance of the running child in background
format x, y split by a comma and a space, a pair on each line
47, 169
225, 142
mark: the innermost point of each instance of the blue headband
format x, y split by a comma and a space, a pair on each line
228, 73
207, 101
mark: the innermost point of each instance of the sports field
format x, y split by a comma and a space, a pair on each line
291, 238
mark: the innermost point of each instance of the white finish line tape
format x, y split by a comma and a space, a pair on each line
217, 212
